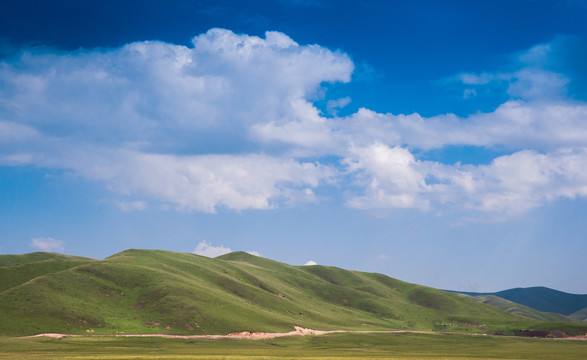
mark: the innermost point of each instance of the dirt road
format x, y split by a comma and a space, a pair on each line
299, 331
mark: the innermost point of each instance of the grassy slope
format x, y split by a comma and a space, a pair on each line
16, 260
518, 309
18, 269
580, 315
147, 291
542, 299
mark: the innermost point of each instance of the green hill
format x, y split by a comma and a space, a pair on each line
36, 257
580, 315
18, 269
150, 291
518, 309
542, 299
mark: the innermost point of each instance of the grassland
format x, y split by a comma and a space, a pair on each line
146, 291
539, 298
518, 309
334, 346
149, 291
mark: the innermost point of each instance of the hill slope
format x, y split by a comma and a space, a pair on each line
519, 309
148, 291
542, 299
18, 269
580, 315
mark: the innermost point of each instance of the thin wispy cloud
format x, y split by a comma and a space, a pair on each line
48, 244
132, 205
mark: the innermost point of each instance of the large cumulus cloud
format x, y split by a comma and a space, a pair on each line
229, 123
170, 122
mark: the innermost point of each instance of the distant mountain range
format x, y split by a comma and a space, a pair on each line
542, 299
152, 291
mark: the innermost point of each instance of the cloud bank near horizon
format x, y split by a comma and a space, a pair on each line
230, 123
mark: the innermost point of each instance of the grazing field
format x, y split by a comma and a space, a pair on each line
148, 291
161, 292
332, 346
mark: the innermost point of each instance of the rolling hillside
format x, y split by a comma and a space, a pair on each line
149, 291
18, 269
542, 299
518, 309
580, 315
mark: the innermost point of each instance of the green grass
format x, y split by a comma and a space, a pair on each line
19, 273
148, 291
543, 299
518, 309
36, 257
334, 346
580, 315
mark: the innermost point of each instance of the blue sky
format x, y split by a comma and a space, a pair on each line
441, 143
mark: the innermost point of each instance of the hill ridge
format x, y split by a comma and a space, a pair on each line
542, 298
153, 291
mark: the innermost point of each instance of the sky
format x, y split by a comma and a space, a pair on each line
439, 143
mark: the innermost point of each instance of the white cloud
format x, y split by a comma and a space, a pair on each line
390, 176
206, 249
48, 244
299, 196
527, 179
149, 118
310, 263
469, 93
254, 253
14, 132
510, 185
381, 258
303, 127
127, 206
532, 80
228, 124
514, 124
537, 84
153, 95
205, 182
476, 79
332, 106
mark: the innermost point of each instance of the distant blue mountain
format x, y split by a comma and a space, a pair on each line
542, 299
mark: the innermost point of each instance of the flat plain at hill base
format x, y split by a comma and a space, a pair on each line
400, 345
299, 331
